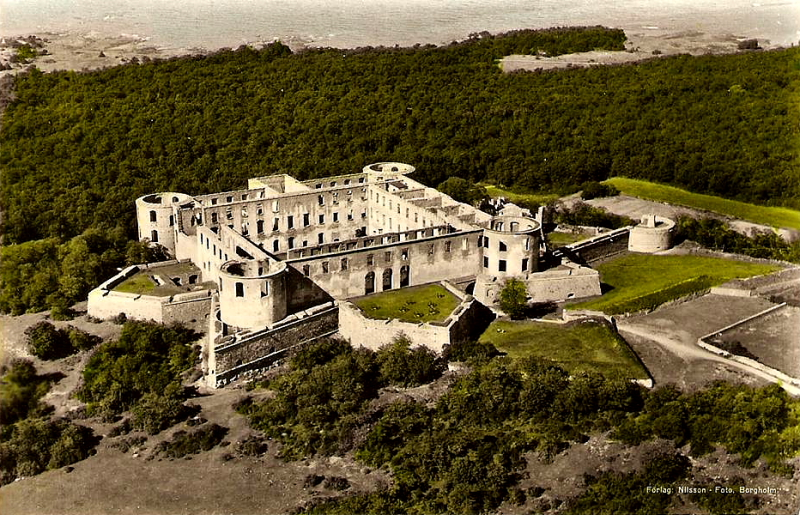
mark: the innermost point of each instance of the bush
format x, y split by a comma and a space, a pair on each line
20, 391
47, 342
594, 189
184, 443
146, 359
584, 214
155, 412
401, 366
37, 444
514, 298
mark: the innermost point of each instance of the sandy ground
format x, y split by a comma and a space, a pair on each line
641, 44
92, 50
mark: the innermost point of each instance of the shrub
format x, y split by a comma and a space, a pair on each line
336, 483
584, 214
594, 189
469, 349
47, 342
401, 366
155, 412
514, 298
184, 443
20, 391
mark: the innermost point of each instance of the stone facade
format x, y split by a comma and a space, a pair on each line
272, 255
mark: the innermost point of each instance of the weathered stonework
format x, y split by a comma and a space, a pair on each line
277, 257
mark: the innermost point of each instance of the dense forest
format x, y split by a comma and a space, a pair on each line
78, 148
466, 452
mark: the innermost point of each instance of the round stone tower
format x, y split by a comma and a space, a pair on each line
156, 216
511, 246
249, 299
652, 235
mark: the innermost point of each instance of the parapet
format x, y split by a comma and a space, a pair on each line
653, 234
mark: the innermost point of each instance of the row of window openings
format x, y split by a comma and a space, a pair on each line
239, 289
245, 196
289, 220
154, 218
502, 264
483, 241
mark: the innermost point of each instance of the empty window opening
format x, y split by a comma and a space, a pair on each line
260, 226
214, 218
265, 291
321, 238
369, 283
153, 216
239, 289
387, 256
485, 262
324, 267
404, 254
306, 220
192, 279
370, 260
291, 243
213, 202
154, 236
321, 219
502, 265
387, 279
276, 246
306, 270
344, 264
503, 247
405, 276
290, 222
447, 246
229, 199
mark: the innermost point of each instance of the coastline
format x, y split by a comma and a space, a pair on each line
75, 51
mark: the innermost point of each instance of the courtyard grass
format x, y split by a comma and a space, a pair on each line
773, 216
428, 303
642, 281
541, 199
139, 283
583, 347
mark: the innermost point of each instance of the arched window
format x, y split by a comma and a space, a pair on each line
405, 276
153, 216
154, 236
387, 279
369, 283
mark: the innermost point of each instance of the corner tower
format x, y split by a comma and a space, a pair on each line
156, 217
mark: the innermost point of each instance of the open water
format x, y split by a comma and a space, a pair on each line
350, 23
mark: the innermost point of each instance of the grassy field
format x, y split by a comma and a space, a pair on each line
774, 216
641, 277
142, 284
586, 347
541, 199
431, 303
558, 239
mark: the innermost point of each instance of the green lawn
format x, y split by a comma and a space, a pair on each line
541, 199
585, 347
774, 216
143, 285
642, 281
430, 303
558, 239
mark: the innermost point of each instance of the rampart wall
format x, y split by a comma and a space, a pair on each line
247, 351
468, 320
598, 247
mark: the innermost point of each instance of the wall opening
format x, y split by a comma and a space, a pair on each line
239, 289
154, 236
405, 276
153, 216
369, 283
387, 279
